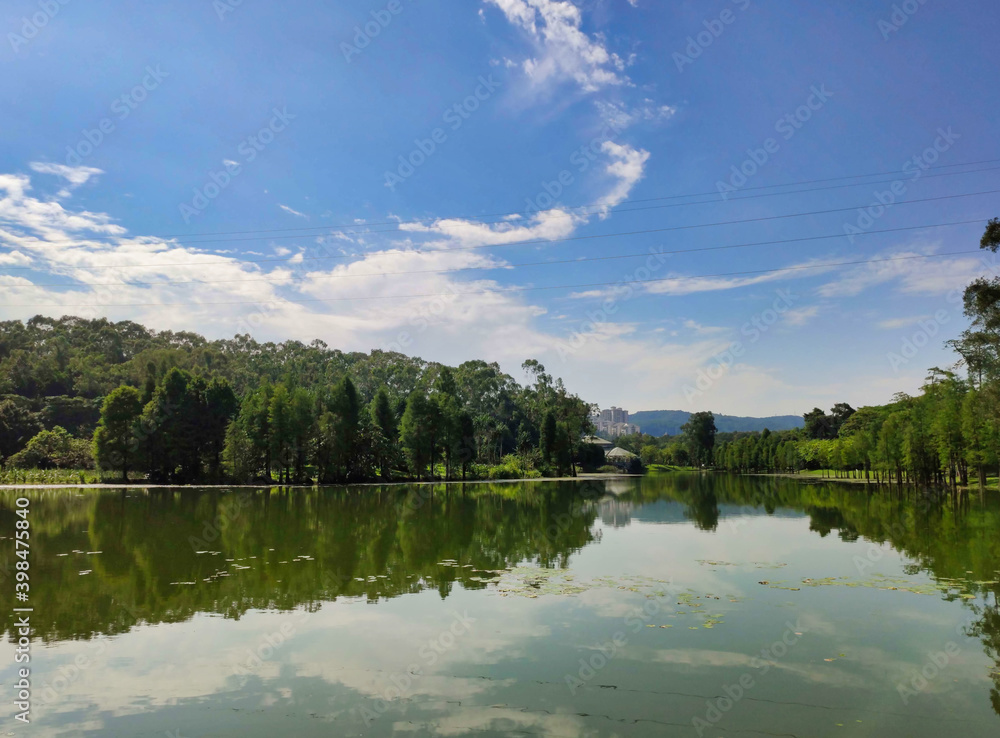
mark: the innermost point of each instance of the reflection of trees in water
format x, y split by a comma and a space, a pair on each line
947, 538
372, 542
987, 629
378, 542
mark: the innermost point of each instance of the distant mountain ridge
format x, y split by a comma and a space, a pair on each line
669, 422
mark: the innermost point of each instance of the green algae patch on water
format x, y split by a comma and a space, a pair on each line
952, 587
531, 582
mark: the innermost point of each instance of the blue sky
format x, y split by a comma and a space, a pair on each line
423, 144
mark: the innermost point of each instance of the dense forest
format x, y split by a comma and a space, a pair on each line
944, 435
175, 407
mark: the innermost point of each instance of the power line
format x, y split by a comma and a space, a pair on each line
506, 290
559, 214
300, 258
577, 260
479, 220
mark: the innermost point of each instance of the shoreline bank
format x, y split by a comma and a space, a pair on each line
140, 485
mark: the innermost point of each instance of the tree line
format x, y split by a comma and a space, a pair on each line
242, 409
186, 428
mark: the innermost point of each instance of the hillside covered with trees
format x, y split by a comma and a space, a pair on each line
176, 407
671, 422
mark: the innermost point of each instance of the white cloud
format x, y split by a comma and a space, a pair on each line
548, 225
627, 167
76, 176
563, 52
801, 316
703, 330
14, 258
360, 303
620, 115
894, 323
682, 285
909, 271
293, 211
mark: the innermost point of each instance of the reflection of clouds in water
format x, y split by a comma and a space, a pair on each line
503, 720
619, 486
735, 663
507, 674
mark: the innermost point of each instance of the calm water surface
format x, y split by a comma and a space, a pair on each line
669, 605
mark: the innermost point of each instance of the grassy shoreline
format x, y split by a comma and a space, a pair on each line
138, 484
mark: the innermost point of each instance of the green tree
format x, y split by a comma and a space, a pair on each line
17, 426
699, 434
467, 452
547, 441
221, 405
416, 433
346, 408
54, 449
116, 440
303, 428
446, 410
170, 424
282, 432
384, 421
240, 456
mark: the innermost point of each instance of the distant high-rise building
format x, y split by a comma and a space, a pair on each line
613, 422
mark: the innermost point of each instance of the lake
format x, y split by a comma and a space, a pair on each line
668, 605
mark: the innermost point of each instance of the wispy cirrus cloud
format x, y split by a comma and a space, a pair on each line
909, 271
292, 211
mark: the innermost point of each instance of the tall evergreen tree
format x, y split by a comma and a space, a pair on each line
115, 440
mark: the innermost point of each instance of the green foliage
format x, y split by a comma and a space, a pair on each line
53, 449
384, 425
248, 411
17, 426
513, 466
699, 435
416, 433
115, 440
